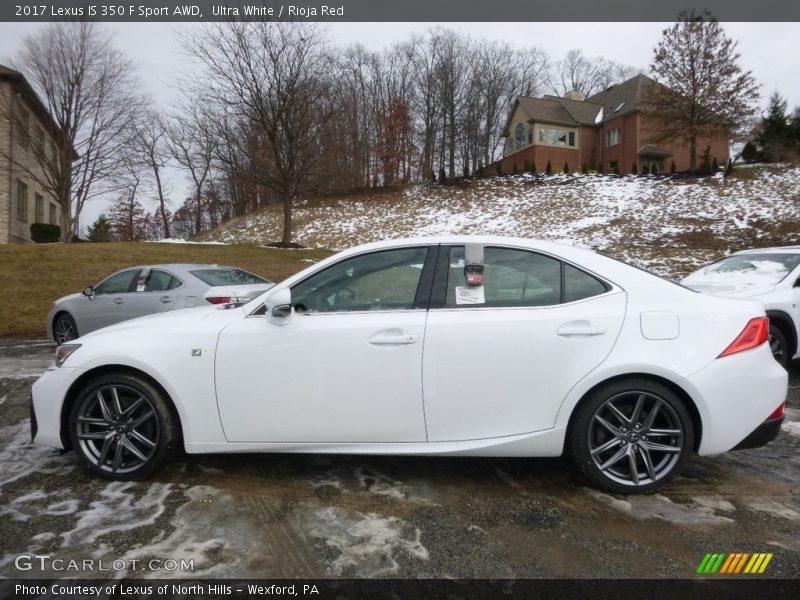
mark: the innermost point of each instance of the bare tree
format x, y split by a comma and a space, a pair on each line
90, 91
273, 75
192, 143
149, 140
704, 89
580, 73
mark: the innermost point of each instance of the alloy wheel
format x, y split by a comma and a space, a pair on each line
118, 429
64, 330
635, 438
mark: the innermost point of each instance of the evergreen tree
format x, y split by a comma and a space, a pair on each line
672, 168
566, 167
714, 165
442, 176
533, 168
514, 170
100, 230
527, 167
634, 169
585, 169
750, 153
776, 136
706, 164
646, 169
548, 170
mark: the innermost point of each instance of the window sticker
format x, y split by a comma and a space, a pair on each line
466, 294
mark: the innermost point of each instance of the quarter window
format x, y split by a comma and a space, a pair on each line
120, 283
161, 281
518, 278
386, 280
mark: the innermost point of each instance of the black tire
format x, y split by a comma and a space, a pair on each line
602, 442
779, 346
139, 420
64, 329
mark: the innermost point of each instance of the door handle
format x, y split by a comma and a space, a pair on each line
580, 328
118, 300
393, 340
166, 299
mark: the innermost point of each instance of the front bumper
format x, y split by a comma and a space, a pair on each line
47, 398
761, 435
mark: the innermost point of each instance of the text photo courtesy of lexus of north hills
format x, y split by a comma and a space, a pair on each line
431, 299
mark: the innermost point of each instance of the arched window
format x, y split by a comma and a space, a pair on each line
519, 136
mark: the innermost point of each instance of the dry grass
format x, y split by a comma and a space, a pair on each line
33, 276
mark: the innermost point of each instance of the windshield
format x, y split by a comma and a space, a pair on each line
227, 276
761, 268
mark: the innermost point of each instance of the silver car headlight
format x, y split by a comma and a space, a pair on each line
64, 352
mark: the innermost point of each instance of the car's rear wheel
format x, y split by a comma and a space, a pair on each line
122, 427
779, 346
631, 436
64, 329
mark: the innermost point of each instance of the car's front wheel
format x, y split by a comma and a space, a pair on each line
122, 427
64, 329
631, 436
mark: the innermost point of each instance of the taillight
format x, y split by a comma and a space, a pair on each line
778, 412
755, 333
219, 299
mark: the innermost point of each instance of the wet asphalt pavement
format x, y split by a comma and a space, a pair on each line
285, 516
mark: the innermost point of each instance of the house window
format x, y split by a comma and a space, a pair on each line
519, 136
613, 137
530, 135
38, 142
22, 200
53, 214
39, 203
22, 128
556, 137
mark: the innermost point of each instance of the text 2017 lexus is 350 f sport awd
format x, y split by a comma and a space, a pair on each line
452, 345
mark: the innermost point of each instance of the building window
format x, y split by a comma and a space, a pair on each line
613, 137
39, 203
519, 136
38, 142
22, 200
53, 214
530, 135
22, 128
556, 137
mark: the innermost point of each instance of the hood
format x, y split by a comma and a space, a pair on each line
202, 319
68, 297
730, 289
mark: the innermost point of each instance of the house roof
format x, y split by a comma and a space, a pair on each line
18, 80
614, 101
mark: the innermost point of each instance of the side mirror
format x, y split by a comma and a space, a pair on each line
279, 306
88, 292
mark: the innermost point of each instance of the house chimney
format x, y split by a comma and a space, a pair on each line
575, 95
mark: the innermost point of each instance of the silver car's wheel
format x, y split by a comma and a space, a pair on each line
64, 329
121, 427
634, 436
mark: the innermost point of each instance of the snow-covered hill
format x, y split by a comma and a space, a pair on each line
670, 225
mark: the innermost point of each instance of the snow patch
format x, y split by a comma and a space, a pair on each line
701, 511
774, 508
368, 545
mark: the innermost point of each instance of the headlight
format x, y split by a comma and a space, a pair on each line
64, 352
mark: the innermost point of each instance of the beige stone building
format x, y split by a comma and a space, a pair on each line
26, 135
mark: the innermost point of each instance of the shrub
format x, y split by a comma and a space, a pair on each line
498, 169
634, 169
466, 170
44, 233
600, 169
646, 170
527, 167
585, 169
479, 171
442, 176
566, 167
548, 170
705, 165
533, 168
514, 170
714, 165
750, 152
672, 168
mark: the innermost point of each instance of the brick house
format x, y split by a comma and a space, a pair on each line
26, 128
608, 129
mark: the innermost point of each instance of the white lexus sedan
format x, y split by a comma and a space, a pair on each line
770, 275
451, 345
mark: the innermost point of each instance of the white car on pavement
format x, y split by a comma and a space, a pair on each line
448, 345
771, 275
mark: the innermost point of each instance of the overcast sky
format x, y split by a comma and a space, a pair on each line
767, 49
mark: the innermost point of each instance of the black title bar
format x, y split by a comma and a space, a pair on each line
393, 10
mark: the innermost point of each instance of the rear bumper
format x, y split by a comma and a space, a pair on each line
761, 435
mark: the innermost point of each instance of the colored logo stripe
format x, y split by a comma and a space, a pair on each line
736, 562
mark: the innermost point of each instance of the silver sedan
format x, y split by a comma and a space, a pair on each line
138, 291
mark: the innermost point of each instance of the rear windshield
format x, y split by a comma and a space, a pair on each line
227, 276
